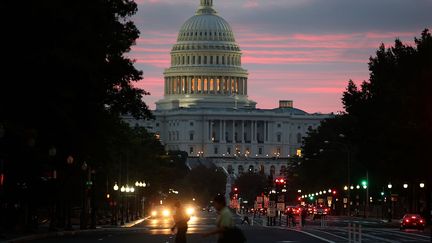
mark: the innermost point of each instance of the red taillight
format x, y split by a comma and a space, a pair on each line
421, 221
413, 217
407, 220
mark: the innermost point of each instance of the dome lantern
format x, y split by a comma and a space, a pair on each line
207, 3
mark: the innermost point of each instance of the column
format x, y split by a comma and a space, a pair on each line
265, 131
255, 131
189, 81
252, 123
245, 85
233, 132
211, 130
220, 131
202, 85
224, 131
229, 85
242, 131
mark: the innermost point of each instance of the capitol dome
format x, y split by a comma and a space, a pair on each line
206, 69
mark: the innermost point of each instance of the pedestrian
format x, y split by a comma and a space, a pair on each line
180, 223
226, 230
245, 219
303, 216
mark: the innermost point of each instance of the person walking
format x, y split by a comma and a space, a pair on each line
226, 230
180, 223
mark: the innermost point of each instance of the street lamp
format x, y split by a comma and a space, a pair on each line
345, 188
115, 187
422, 185
123, 189
405, 186
390, 186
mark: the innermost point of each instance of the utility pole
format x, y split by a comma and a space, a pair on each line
367, 195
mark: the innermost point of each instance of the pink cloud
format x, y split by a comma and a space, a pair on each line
327, 62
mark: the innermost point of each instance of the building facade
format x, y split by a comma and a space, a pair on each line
206, 111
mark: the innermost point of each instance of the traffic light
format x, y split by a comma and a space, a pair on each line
364, 184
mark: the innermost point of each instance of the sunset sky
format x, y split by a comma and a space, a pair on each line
301, 50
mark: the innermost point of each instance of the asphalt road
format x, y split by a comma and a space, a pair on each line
158, 231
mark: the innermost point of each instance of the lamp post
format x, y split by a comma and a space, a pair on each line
390, 212
114, 205
122, 190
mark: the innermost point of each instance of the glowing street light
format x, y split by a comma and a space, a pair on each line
422, 185
115, 187
390, 186
345, 188
405, 186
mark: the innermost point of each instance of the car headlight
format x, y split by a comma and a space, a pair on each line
166, 213
153, 213
190, 211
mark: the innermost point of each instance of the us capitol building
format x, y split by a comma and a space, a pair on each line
206, 111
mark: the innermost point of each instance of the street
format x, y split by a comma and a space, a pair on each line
158, 230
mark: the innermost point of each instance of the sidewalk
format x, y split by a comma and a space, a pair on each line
43, 232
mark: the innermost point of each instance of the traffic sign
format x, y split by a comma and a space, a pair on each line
280, 207
272, 204
271, 212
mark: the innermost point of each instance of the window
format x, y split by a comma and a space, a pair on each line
279, 137
177, 133
191, 136
216, 150
169, 136
211, 59
191, 124
217, 60
157, 124
278, 125
278, 151
205, 60
199, 60
260, 150
240, 169
299, 138
193, 60
191, 150
228, 150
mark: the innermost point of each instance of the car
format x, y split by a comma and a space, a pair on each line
320, 211
294, 209
413, 221
160, 212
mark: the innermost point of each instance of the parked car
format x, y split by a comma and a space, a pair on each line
413, 221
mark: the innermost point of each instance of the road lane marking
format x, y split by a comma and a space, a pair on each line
334, 235
312, 235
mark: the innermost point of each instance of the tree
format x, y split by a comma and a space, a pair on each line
66, 82
385, 123
250, 185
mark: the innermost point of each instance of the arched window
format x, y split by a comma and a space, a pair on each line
240, 169
262, 169
299, 138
